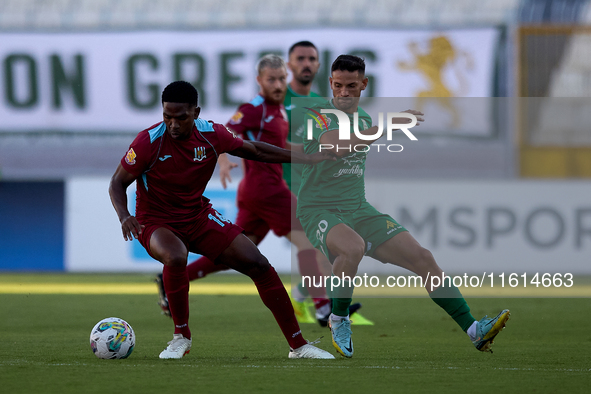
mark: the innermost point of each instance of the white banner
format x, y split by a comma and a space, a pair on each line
94, 241
492, 226
95, 82
470, 227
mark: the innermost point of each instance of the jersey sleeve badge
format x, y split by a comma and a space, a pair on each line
231, 132
130, 157
236, 118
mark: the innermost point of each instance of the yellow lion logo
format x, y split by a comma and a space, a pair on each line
431, 65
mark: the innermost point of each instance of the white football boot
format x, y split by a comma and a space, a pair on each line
310, 351
177, 348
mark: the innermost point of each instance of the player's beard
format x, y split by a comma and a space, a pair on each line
277, 96
305, 79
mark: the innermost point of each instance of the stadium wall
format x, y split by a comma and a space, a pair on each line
32, 230
470, 226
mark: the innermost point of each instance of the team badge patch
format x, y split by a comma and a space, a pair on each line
237, 118
323, 120
130, 157
199, 154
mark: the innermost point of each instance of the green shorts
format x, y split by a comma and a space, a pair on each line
373, 226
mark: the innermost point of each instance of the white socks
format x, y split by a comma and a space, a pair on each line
472, 330
334, 317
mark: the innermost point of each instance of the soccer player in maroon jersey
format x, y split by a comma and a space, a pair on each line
264, 199
172, 161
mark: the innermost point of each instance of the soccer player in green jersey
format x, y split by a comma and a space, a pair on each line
303, 62
339, 221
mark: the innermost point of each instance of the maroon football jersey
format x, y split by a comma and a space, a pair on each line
260, 120
171, 174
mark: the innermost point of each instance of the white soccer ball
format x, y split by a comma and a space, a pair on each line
112, 338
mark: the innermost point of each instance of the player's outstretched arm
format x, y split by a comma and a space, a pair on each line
294, 147
120, 181
261, 151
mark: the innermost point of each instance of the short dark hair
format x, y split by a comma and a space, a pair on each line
180, 92
349, 63
306, 44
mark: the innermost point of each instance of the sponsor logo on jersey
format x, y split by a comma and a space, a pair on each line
199, 154
353, 159
269, 118
391, 227
355, 170
236, 118
164, 157
130, 157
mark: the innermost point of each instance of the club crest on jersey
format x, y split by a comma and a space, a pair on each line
130, 157
199, 154
236, 118
323, 121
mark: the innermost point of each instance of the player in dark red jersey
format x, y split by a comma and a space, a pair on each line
172, 162
264, 199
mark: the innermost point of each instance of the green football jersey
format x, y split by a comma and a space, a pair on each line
336, 184
293, 174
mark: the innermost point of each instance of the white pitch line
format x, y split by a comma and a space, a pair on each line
123, 365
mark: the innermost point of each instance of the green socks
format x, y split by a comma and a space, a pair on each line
450, 300
340, 306
341, 296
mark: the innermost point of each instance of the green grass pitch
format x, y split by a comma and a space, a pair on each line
238, 348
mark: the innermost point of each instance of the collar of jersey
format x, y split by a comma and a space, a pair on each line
203, 125
156, 132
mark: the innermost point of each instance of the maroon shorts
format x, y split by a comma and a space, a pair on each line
277, 212
209, 234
